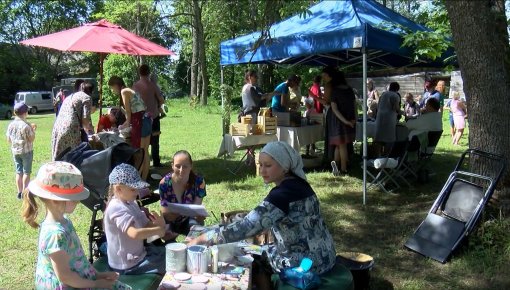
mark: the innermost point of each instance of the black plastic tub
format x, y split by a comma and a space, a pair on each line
360, 265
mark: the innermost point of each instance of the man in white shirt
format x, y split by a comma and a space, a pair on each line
429, 120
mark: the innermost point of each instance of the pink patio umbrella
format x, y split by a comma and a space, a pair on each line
102, 37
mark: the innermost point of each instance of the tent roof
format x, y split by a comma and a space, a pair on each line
330, 34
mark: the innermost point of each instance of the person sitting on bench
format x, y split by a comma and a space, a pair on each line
291, 210
182, 186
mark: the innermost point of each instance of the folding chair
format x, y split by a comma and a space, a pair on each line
458, 207
421, 153
387, 169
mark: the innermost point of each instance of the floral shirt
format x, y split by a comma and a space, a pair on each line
167, 194
61, 236
291, 210
18, 133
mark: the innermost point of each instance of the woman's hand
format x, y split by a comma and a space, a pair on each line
351, 123
200, 240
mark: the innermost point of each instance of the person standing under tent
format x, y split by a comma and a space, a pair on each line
280, 100
316, 93
372, 99
342, 119
387, 115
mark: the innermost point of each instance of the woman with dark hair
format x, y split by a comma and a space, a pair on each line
387, 115
72, 120
291, 211
342, 119
135, 110
252, 96
281, 94
181, 186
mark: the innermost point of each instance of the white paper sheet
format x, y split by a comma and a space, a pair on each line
188, 209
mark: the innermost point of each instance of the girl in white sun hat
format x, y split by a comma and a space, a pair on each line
61, 262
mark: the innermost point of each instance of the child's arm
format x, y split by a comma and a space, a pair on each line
155, 227
60, 263
31, 135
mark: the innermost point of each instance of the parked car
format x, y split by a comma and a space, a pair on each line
36, 101
5, 111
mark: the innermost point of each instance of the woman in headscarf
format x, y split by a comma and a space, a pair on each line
291, 210
73, 121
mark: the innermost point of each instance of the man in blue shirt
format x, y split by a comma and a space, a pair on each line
280, 100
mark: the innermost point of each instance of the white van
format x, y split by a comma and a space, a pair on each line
36, 101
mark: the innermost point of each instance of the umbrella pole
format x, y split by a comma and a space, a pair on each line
101, 79
364, 49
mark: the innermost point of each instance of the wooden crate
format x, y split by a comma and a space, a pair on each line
246, 120
239, 129
258, 129
265, 112
268, 124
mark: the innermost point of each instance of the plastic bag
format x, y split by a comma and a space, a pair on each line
301, 277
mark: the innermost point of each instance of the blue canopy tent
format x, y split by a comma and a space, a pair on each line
346, 33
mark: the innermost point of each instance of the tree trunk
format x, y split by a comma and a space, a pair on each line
194, 55
199, 80
201, 59
480, 36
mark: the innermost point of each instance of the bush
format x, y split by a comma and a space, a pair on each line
124, 66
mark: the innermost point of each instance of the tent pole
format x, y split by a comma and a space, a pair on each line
364, 51
222, 101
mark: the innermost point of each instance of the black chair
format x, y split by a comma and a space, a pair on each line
386, 170
458, 207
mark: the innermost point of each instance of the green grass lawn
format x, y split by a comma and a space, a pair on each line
380, 228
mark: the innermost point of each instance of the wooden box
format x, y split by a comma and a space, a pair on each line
288, 119
268, 124
246, 120
239, 129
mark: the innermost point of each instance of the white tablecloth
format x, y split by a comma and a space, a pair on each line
300, 136
230, 143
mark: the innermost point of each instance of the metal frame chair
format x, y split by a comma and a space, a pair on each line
457, 208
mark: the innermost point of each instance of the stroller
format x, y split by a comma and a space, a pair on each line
96, 166
458, 207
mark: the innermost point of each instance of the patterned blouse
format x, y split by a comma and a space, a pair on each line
61, 236
167, 195
18, 132
292, 212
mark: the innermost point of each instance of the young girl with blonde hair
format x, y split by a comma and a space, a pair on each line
127, 226
61, 262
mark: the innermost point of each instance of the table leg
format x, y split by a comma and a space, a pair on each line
240, 163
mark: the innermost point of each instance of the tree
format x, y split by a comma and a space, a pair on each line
480, 37
23, 19
143, 18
